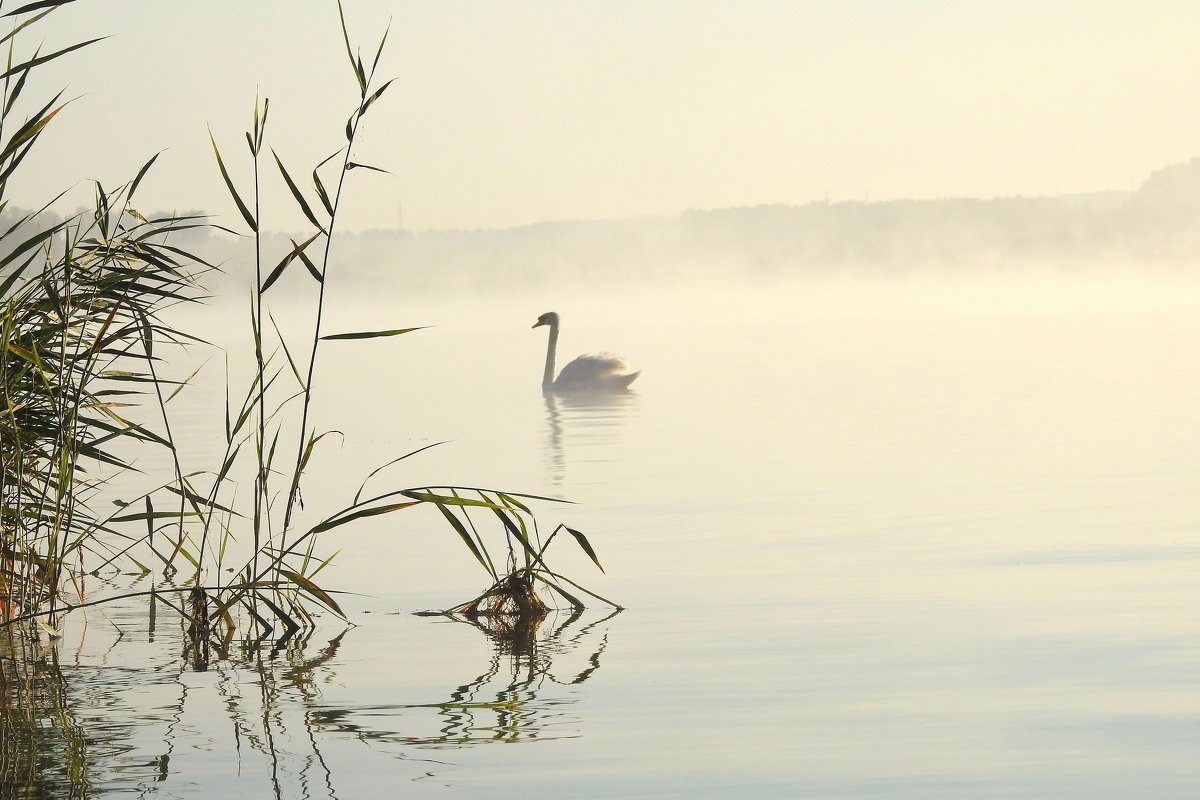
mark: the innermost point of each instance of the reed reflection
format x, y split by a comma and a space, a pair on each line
521, 695
123, 716
584, 426
112, 720
276, 718
43, 746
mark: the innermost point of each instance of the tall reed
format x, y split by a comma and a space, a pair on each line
82, 333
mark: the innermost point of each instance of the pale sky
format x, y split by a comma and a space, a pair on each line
514, 112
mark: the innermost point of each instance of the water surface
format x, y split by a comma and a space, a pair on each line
875, 539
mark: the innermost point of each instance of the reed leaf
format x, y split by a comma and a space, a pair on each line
377, 470
279, 613
318, 276
298, 195
286, 352
355, 63
312, 589
463, 534
354, 165
38, 61
153, 515
370, 334
588, 592
448, 500
570, 598
237, 198
296, 250
316, 176
338, 519
141, 174
379, 51
586, 545
375, 95
37, 5
26, 23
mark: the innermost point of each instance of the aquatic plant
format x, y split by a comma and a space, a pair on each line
80, 335
82, 338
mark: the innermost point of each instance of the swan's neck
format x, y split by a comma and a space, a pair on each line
551, 346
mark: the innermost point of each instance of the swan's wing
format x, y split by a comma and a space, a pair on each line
595, 371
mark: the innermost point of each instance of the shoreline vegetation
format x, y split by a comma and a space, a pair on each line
87, 375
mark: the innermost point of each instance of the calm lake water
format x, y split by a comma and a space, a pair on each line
877, 538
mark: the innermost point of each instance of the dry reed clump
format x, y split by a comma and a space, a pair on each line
513, 595
510, 612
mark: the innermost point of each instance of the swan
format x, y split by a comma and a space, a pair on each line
599, 373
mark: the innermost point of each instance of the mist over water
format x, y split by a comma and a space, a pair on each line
908, 535
912, 395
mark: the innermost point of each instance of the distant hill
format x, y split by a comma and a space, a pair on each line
1156, 226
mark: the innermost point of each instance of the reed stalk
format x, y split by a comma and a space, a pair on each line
82, 339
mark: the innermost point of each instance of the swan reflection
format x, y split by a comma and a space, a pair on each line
584, 426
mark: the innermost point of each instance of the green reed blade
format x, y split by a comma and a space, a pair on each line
337, 520
237, 199
377, 470
286, 352
570, 598
296, 250
38, 4
355, 63
379, 50
604, 600
25, 24
153, 515
449, 500
312, 268
141, 174
34, 62
30, 243
586, 545
30, 129
296, 193
280, 614
512, 501
375, 96
370, 334
354, 165
199, 500
321, 187
185, 382
463, 534
312, 589
15, 92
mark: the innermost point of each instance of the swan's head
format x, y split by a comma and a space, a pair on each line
549, 318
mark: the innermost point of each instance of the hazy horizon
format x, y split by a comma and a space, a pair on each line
508, 116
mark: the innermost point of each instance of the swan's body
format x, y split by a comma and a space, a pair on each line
599, 373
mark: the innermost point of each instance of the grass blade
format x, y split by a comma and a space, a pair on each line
38, 4
33, 62
316, 591
237, 199
354, 62
371, 334
303, 203
337, 521
586, 545
354, 165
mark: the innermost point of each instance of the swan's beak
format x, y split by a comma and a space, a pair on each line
537, 324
